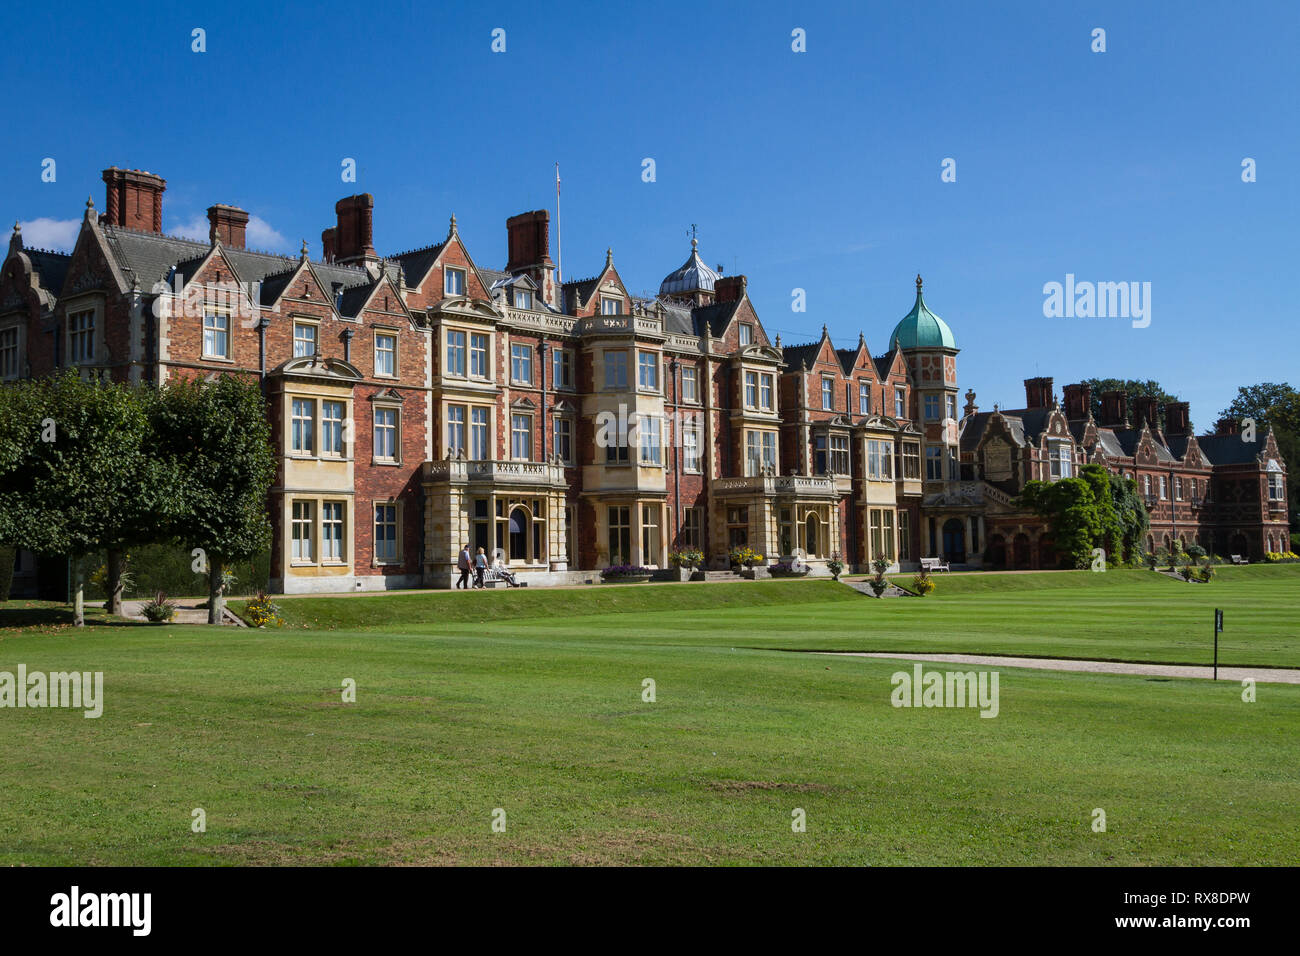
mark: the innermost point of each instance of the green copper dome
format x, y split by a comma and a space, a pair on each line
921, 328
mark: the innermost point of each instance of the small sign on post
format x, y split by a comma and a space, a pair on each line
1218, 626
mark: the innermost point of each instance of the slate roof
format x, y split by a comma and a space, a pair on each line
1228, 449
417, 263
577, 292
148, 258
797, 355
1110, 445
52, 267
716, 316
884, 363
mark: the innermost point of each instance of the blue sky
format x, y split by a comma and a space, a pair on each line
817, 170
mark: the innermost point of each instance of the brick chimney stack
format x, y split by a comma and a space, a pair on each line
1227, 426
1114, 408
1147, 412
328, 244
354, 234
134, 199
729, 288
228, 224
1178, 418
1038, 393
1078, 401
528, 240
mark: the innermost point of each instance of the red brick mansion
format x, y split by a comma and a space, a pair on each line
420, 401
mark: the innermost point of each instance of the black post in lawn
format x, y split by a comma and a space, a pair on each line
1218, 626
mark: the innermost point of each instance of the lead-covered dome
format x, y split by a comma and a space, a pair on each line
693, 276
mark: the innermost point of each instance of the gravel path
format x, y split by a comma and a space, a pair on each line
1261, 674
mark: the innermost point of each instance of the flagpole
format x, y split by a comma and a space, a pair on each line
559, 240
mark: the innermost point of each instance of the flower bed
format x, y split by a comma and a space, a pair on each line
784, 569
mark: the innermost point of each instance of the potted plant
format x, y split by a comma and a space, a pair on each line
159, 610
835, 566
684, 562
261, 611
625, 574
878, 583
744, 557
922, 583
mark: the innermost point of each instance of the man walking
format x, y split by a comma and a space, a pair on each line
463, 563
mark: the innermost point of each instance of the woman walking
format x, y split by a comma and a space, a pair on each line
480, 568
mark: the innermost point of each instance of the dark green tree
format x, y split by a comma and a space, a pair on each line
218, 434
1070, 508
78, 473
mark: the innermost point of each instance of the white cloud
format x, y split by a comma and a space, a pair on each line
45, 233
259, 234
196, 229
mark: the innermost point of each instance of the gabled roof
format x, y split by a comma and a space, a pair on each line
148, 258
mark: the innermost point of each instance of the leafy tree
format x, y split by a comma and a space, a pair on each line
219, 435
1097, 509
1132, 387
77, 474
1070, 508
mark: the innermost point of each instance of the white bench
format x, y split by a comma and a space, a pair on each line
930, 565
1239, 559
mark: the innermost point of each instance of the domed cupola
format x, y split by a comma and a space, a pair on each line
693, 280
921, 328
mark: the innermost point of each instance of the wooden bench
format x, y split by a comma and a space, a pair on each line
930, 565
1239, 559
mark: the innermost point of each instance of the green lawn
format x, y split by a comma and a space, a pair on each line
530, 701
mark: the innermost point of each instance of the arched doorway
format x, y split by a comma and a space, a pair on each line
1020, 551
1237, 545
954, 541
997, 552
811, 537
519, 522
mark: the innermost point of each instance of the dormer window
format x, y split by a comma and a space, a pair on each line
610, 305
523, 299
900, 403
304, 339
453, 282
828, 393
746, 334
864, 398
